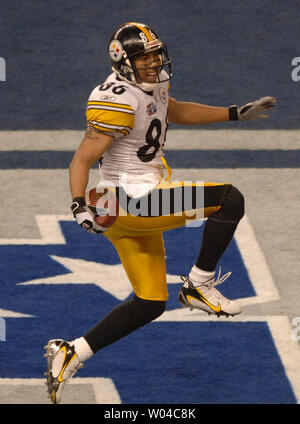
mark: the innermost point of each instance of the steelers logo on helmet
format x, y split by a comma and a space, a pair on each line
115, 50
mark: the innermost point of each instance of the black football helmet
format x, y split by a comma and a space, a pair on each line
130, 41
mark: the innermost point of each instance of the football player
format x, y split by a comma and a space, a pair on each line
127, 118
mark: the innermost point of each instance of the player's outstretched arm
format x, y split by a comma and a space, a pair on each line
188, 113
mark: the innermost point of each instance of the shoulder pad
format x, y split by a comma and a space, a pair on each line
111, 108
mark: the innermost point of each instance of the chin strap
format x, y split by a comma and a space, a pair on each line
145, 86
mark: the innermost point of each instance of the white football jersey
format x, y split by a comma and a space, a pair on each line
138, 121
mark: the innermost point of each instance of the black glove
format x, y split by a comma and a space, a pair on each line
252, 110
84, 215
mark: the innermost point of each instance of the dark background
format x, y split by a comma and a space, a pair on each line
224, 52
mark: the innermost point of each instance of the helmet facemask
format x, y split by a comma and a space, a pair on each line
164, 63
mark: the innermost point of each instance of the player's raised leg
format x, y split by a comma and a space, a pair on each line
198, 290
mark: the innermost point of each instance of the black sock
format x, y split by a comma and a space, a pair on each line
122, 320
219, 229
216, 237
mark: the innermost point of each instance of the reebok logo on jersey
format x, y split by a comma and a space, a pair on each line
107, 98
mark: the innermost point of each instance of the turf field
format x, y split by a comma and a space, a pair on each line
57, 281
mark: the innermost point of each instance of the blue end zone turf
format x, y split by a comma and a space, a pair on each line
198, 363
164, 362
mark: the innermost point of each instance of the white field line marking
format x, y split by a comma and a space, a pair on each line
104, 388
255, 262
49, 228
288, 349
5, 313
185, 315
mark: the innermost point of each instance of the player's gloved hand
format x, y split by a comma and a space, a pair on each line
252, 110
84, 215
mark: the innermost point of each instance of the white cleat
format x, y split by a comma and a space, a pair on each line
205, 297
62, 364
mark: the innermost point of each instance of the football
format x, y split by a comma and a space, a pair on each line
105, 205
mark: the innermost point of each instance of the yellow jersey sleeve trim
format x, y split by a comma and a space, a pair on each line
110, 104
116, 122
113, 118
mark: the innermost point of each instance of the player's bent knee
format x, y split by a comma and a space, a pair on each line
233, 205
148, 310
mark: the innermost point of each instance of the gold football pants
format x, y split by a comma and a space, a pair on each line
138, 238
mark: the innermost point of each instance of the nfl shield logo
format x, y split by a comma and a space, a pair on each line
151, 108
